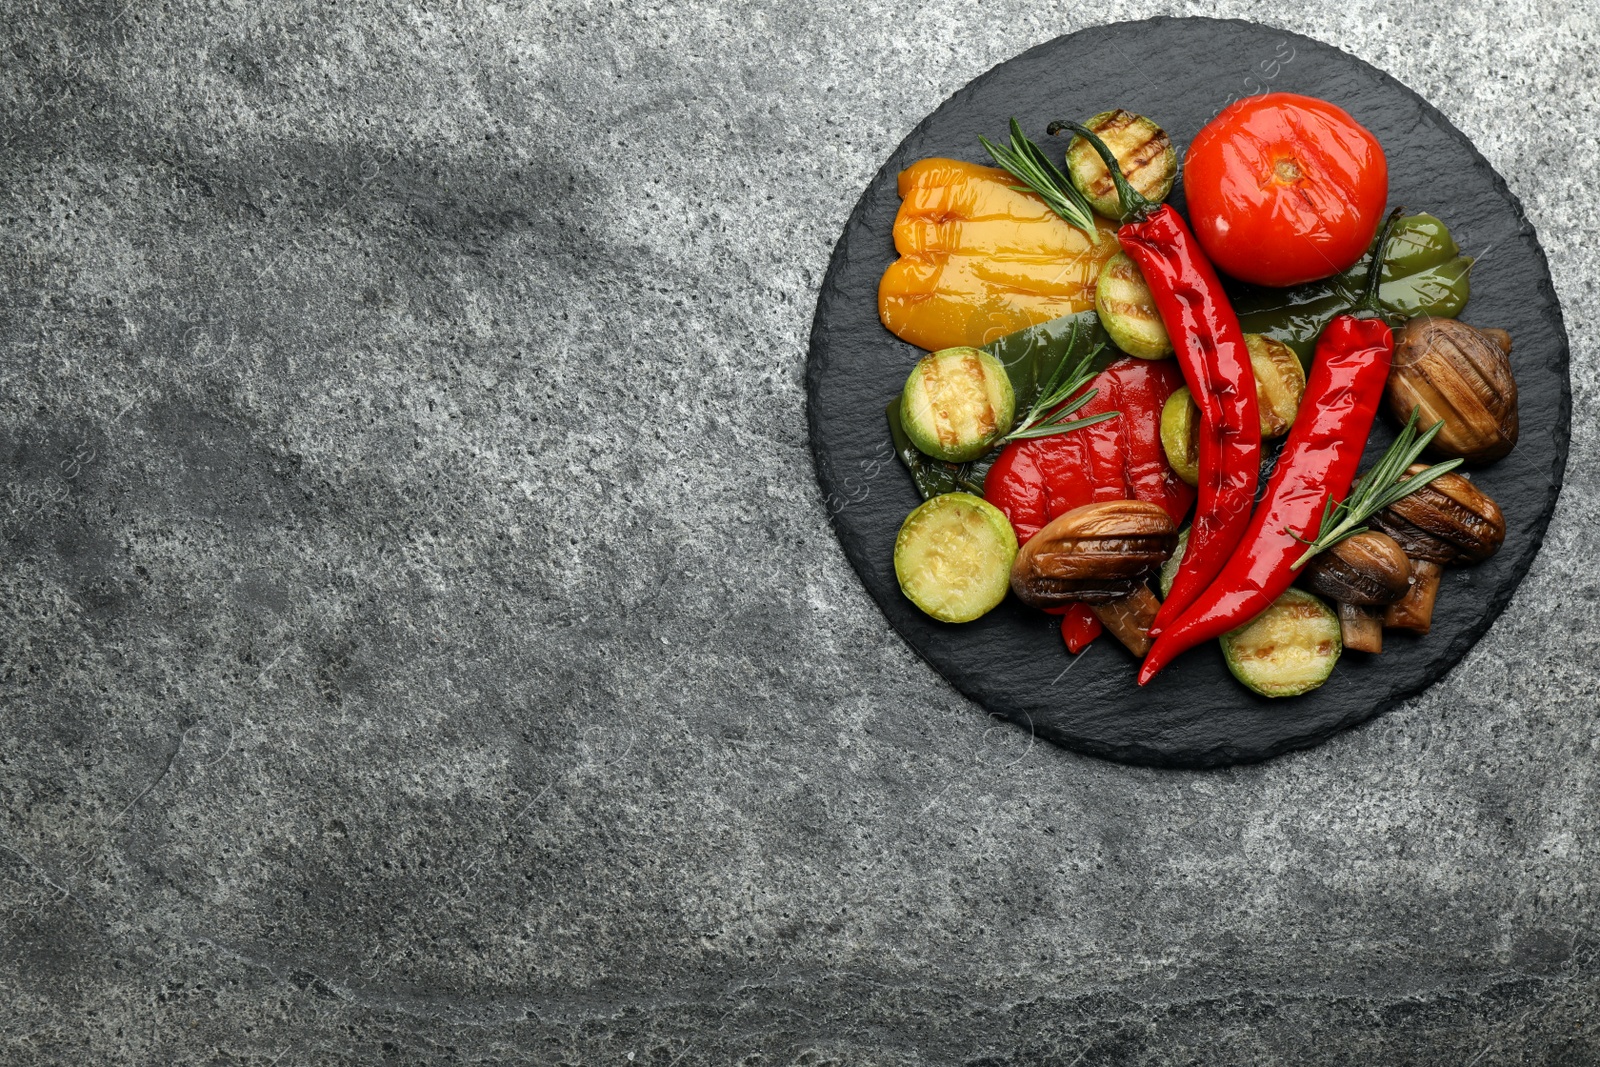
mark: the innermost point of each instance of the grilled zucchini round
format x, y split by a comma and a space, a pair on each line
1128, 311
1287, 650
953, 556
957, 403
1143, 150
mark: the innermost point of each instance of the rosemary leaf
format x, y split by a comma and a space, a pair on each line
1049, 428
1026, 162
1055, 400
1378, 488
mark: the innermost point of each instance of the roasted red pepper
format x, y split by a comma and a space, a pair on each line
1035, 480
1211, 350
1316, 467
1079, 627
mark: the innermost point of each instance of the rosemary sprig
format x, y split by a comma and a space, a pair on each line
1048, 413
1378, 488
1026, 162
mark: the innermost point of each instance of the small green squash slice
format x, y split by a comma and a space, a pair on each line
1128, 311
1280, 383
1143, 150
953, 556
957, 403
1287, 650
1180, 426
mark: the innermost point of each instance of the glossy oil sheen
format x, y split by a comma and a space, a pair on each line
979, 260
1035, 481
1285, 189
1317, 464
1424, 273
1011, 662
1216, 363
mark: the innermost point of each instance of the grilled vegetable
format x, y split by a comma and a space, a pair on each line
1414, 611
1451, 513
957, 403
1448, 521
1316, 465
1361, 574
1424, 273
1129, 618
1099, 554
953, 557
978, 259
1284, 189
1096, 553
1040, 361
1128, 311
1462, 375
1214, 360
1280, 383
1385, 482
1144, 155
1034, 481
1180, 429
1287, 650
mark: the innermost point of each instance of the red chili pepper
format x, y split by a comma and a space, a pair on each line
1211, 350
1317, 464
1216, 363
1348, 372
1033, 481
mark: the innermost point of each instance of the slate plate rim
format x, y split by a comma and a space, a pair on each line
1221, 754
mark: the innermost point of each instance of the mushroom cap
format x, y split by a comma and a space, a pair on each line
1461, 375
1097, 553
1449, 520
1368, 569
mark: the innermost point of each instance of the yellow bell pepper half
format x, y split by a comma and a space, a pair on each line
979, 259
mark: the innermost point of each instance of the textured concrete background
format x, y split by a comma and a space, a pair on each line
422, 640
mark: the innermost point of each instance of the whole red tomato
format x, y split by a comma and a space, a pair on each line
1285, 189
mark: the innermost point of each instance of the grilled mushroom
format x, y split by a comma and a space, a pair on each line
1447, 521
1362, 573
1099, 554
1462, 375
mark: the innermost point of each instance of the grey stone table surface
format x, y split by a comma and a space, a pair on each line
422, 639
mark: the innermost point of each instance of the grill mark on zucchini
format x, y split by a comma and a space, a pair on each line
932, 381
1127, 310
1289, 649
974, 372
956, 403
1139, 156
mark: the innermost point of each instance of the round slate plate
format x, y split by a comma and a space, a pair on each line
1181, 72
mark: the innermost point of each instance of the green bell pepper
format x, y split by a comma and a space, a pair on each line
1423, 274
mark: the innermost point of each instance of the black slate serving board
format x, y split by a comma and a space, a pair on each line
1181, 72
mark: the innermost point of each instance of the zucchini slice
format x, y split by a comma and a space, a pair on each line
1287, 650
1280, 382
1128, 311
1142, 149
957, 403
1180, 424
953, 556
